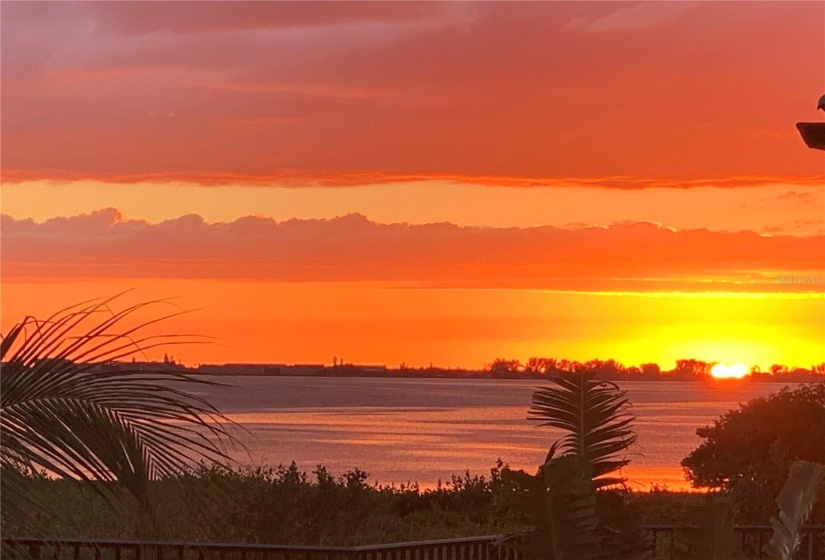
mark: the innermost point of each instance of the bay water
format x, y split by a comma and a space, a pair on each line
421, 431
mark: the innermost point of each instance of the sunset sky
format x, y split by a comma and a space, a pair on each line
421, 182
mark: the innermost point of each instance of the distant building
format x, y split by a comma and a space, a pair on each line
241, 369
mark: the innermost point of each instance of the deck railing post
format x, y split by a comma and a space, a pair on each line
810, 535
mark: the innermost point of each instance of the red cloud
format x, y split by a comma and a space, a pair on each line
623, 256
298, 178
524, 92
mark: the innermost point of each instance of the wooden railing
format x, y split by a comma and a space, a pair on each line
474, 548
753, 541
665, 544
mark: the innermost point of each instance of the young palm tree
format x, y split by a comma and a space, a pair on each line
64, 414
593, 414
560, 497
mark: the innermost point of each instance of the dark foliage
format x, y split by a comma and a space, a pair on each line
284, 505
280, 505
748, 452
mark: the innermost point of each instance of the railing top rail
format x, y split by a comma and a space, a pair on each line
813, 527
27, 541
665, 527
438, 542
484, 539
171, 544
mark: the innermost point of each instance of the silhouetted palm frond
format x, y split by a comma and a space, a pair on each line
594, 416
560, 498
63, 412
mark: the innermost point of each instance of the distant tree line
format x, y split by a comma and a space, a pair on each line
534, 368
685, 370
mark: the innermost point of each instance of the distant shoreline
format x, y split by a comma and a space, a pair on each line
383, 372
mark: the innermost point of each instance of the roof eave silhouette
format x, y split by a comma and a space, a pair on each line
813, 134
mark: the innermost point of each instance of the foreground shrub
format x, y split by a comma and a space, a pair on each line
283, 505
748, 452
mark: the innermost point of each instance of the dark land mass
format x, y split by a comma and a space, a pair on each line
535, 368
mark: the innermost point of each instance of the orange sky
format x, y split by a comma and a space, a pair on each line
625, 94
394, 323
454, 181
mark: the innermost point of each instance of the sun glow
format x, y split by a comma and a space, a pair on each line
725, 371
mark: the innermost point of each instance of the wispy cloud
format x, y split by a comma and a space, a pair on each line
640, 16
332, 178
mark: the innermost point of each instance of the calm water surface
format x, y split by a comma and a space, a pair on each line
423, 430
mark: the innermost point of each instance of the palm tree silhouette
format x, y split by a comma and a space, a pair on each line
65, 414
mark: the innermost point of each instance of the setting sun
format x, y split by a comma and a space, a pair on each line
725, 371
